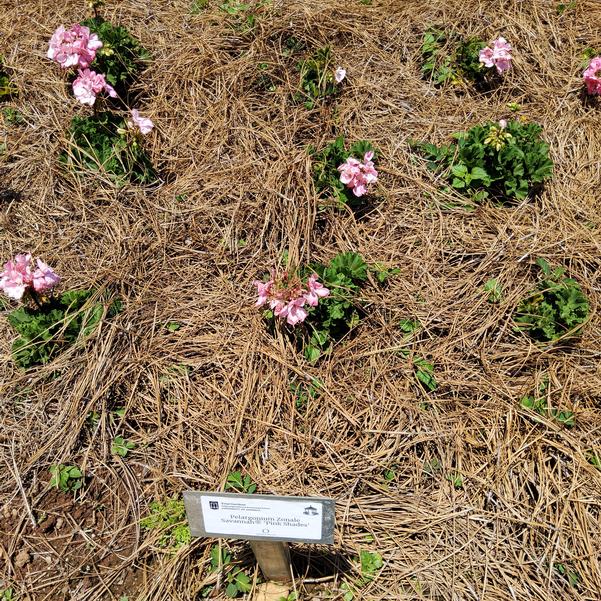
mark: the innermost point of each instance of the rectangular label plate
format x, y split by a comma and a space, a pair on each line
260, 517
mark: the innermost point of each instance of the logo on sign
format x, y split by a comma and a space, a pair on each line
214, 504
310, 510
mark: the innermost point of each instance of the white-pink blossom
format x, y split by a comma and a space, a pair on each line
72, 47
144, 124
358, 175
88, 84
499, 55
18, 277
592, 76
44, 277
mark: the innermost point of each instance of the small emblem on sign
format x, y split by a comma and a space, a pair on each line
214, 504
310, 510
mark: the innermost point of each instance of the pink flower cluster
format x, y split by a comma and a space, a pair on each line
72, 47
592, 76
88, 84
358, 175
288, 301
76, 47
19, 277
498, 56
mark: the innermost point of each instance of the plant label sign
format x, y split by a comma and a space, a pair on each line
260, 517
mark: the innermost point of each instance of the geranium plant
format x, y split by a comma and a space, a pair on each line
448, 57
345, 175
109, 144
319, 304
319, 79
556, 308
504, 160
46, 323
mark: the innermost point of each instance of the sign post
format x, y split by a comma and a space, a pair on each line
269, 522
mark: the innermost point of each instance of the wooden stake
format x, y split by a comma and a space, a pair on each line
274, 559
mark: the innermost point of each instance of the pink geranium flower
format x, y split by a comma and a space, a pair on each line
263, 290
88, 84
499, 55
287, 297
339, 74
592, 76
44, 277
19, 278
357, 175
144, 124
74, 46
295, 313
316, 291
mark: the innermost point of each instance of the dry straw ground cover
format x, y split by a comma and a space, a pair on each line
463, 492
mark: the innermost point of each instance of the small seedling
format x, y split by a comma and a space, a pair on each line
173, 326
424, 373
8, 594
12, 116
238, 583
305, 392
571, 576
371, 562
409, 326
7, 88
431, 468
456, 479
539, 405
198, 6
219, 558
383, 273
451, 58
594, 459
244, 15
317, 78
239, 483
170, 519
563, 6
494, 290
556, 308
121, 446
389, 475
67, 478
514, 107
174, 373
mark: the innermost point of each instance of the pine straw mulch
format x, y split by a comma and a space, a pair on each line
215, 395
